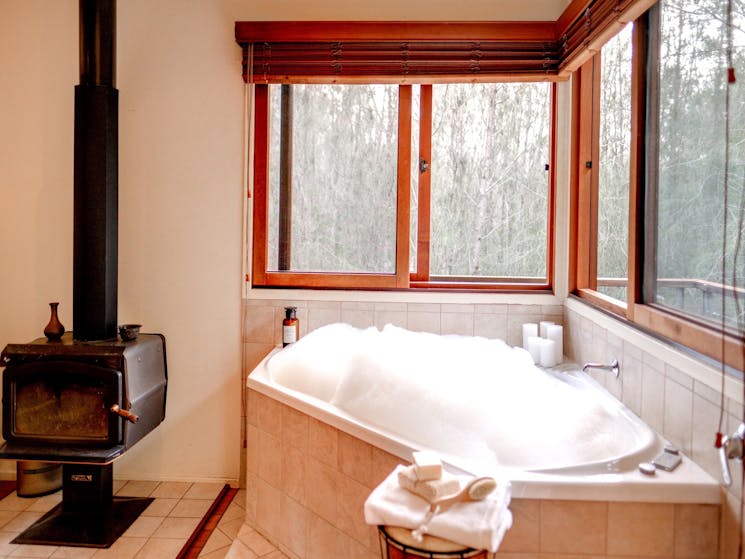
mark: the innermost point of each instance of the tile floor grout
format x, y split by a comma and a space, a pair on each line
160, 532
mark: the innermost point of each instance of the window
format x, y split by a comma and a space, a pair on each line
613, 162
489, 193
337, 183
689, 162
369, 183
668, 133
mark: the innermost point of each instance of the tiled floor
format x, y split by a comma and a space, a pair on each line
159, 533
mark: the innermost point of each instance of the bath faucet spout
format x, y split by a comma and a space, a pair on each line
614, 367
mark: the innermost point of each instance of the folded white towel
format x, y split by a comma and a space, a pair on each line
477, 524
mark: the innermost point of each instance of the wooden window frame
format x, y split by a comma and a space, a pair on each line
402, 278
705, 339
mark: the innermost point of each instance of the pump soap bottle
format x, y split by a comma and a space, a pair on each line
290, 327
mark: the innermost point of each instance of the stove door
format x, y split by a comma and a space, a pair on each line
61, 403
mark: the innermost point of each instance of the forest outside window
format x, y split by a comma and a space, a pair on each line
683, 270
374, 185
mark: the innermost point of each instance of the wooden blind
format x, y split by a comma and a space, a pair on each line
411, 52
403, 53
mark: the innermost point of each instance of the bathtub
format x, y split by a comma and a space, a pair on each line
607, 475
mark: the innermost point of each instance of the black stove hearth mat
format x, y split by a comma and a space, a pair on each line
96, 528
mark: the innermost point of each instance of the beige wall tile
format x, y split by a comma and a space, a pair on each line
729, 529
678, 413
270, 459
252, 495
573, 527
653, 398
321, 486
294, 428
323, 442
328, 314
253, 353
355, 459
360, 318
394, 316
631, 379
258, 325
349, 548
321, 543
293, 473
383, 463
640, 529
252, 407
350, 512
525, 532
268, 516
696, 531
705, 423
252, 450
294, 527
492, 326
269, 415
419, 321
457, 323
448, 308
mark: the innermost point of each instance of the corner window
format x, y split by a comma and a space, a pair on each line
659, 174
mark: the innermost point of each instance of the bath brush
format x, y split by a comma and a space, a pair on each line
475, 490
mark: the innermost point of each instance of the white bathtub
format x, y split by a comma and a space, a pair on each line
613, 478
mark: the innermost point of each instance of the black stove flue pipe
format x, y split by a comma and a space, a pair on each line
95, 243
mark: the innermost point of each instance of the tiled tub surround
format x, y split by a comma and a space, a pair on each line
676, 394
307, 481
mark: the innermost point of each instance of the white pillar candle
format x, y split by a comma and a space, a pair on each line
544, 328
547, 352
555, 333
534, 348
529, 329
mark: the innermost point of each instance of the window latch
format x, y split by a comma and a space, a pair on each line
423, 165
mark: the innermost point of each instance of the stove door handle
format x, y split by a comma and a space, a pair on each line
129, 416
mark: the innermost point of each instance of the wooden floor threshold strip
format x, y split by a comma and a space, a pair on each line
207, 525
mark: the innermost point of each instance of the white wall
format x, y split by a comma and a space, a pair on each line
180, 191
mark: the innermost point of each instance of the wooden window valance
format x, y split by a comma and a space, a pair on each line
395, 52
411, 52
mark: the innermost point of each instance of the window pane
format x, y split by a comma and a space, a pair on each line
690, 189
343, 168
490, 147
613, 181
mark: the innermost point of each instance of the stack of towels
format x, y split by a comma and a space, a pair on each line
403, 499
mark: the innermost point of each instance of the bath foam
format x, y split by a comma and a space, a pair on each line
316, 362
471, 397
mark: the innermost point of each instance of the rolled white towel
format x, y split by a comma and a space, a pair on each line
429, 490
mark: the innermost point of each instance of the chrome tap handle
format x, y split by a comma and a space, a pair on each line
614, 367
732, 448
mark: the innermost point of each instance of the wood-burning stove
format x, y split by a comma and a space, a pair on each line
61, 399
82, 404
